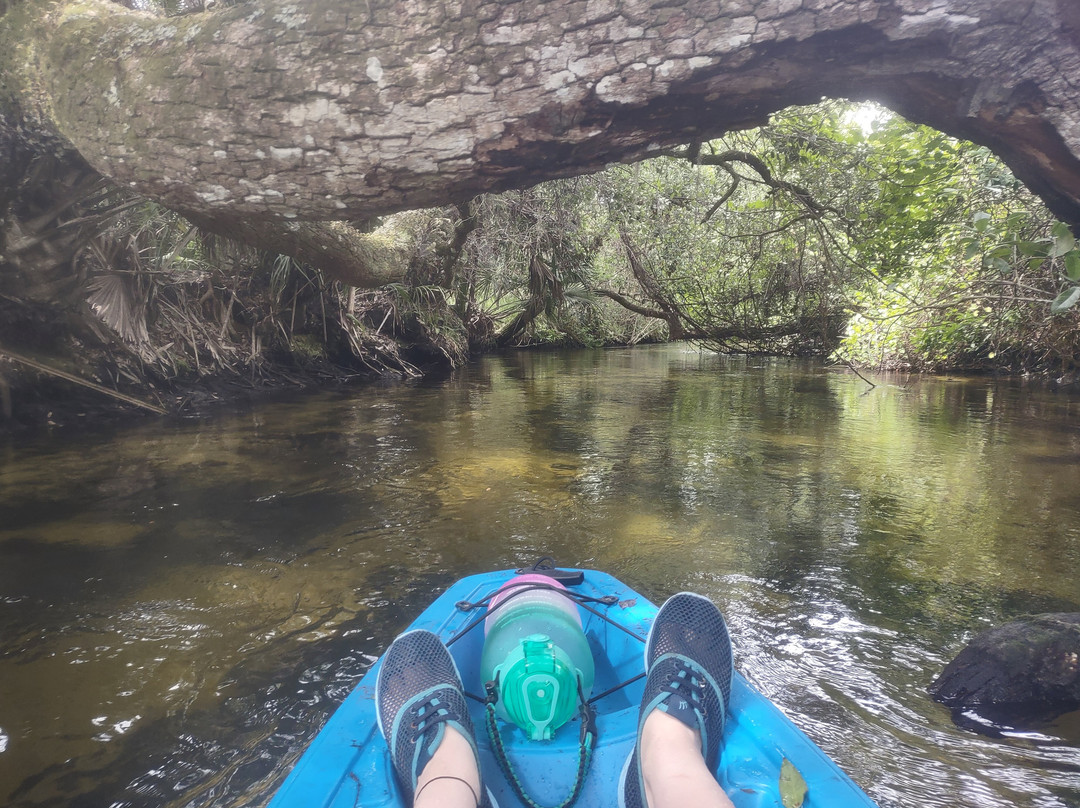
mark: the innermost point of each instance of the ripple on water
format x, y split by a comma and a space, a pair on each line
182, 604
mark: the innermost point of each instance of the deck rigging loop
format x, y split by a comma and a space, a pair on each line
581, 599
586, 744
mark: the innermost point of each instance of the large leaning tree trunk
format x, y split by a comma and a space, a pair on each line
260, 116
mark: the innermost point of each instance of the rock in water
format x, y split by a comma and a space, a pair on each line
1028, 670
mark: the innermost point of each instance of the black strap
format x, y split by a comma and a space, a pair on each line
512, 590
546, 566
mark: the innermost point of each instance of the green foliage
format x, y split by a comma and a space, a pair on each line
423, 316
1066, 300
761, 272
766, 264
308, 348
889, 244
961, 262
528, 267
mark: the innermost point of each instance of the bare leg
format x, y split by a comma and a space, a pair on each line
673, 768
453, 760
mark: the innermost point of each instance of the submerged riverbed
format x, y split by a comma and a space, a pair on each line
182, 603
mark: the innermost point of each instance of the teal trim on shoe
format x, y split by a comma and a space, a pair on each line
689, 663
418, 694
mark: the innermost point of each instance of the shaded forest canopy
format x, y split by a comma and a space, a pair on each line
154, 233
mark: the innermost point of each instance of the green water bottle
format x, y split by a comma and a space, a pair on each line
536, 651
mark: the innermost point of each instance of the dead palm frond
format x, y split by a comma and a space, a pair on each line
112, 299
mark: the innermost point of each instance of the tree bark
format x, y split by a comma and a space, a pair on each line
343, 253
282, 111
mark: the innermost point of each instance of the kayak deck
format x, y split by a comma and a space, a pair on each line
348, 764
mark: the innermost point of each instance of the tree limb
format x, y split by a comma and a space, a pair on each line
630, 305
79, 380
726, 158
343, 253
316, 110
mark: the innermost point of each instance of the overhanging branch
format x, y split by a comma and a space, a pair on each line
319, 112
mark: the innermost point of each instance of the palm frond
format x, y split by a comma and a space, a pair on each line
579, 294
111, 298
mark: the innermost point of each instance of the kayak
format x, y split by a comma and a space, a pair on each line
348, 763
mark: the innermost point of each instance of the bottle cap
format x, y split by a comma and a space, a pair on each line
538, 686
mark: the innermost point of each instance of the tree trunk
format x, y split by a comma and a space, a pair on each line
46, 222
278, 111
676, 319
343, 253
545, 292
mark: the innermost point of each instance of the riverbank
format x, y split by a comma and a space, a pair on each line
58, 403
40, 396
197, 344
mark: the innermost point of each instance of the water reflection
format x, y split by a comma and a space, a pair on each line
181, 604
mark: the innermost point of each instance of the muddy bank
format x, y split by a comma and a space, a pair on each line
38, 401
49, 383
198, 341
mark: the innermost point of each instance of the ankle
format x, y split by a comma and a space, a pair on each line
665, 739
443, 793
673, 767
450, 779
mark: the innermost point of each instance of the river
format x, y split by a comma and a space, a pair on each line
183, 602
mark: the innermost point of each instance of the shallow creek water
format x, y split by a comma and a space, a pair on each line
182, 603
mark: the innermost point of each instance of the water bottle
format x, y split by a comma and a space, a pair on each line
536, 651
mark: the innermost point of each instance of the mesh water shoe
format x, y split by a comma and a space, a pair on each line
418, 694
689, 664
